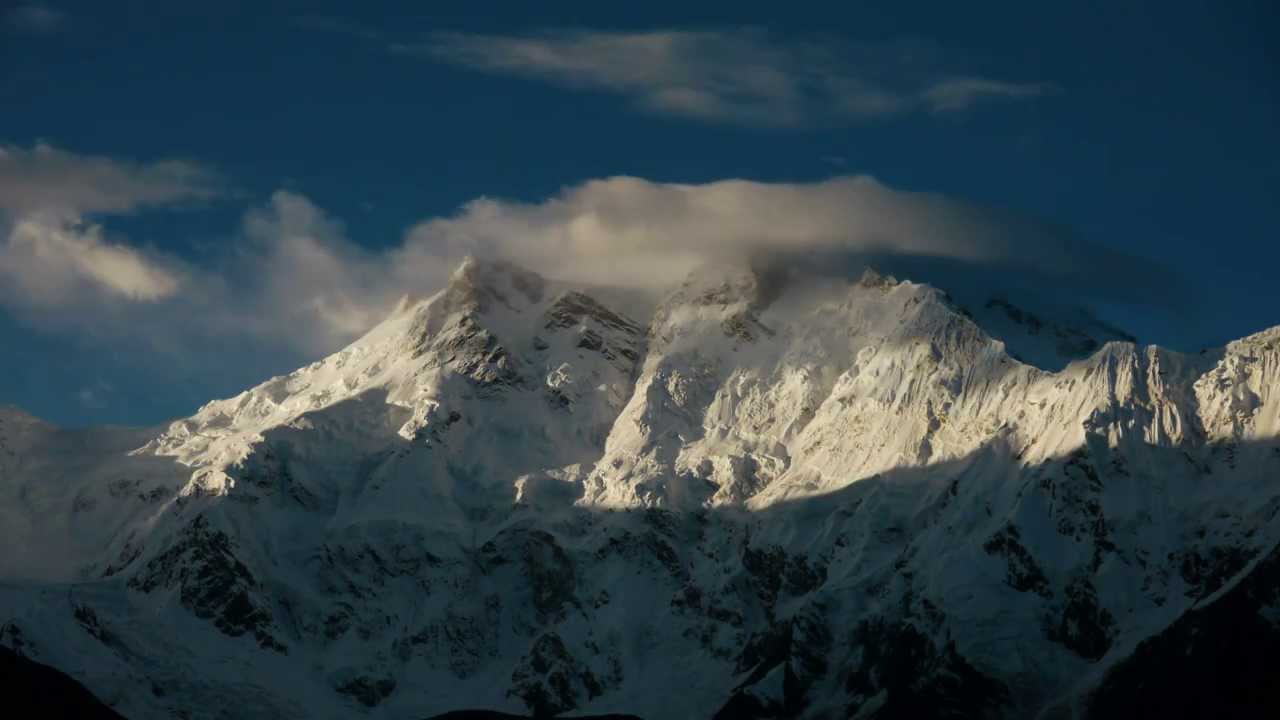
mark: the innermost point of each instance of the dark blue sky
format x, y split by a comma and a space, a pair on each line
1155, 133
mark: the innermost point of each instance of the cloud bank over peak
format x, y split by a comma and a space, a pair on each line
289, 284
634, 232
746, 75
290, 275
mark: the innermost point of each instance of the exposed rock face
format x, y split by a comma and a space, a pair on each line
784, 496
211, 582
550, 681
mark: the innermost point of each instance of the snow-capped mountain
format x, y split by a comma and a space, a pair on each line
777, 494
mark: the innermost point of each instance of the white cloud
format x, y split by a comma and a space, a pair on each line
745, 75
33, 19
49, 262
48, 179
52, 256
308, 279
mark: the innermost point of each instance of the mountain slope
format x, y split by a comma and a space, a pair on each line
787, 496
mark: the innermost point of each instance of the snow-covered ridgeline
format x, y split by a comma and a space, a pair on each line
810, 470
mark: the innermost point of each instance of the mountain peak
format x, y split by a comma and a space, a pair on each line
873, 278
497, 279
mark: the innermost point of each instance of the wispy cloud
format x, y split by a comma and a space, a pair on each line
95, 396
962, 93
32, 19
52, 262
745, 76
48, 179
52, 255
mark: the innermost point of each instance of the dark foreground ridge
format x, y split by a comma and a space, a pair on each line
32, 690
1217, 661
493, 715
